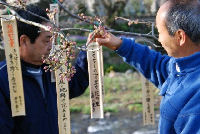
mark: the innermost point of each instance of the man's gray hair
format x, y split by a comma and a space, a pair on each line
185, 16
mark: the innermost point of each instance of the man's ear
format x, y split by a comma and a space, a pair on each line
181, 37
23, 40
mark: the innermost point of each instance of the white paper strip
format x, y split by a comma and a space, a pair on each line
102, 70
148, 102
62, 87
10, 35
52, 8
56, 21
95, 68
63, 103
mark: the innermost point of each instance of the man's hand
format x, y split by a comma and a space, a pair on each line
108, 40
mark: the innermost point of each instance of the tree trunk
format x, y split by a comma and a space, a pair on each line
156, 5
142, 7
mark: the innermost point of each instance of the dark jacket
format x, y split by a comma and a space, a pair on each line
41, 113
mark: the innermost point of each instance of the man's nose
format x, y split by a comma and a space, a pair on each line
50, 45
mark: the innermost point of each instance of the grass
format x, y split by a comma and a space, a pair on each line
122, 92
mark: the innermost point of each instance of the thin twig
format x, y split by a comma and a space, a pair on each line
18, 16
76, 16
15, 8
75, 29
136, 21
71, 14
113, 31
31, 22
134, 34
69, 29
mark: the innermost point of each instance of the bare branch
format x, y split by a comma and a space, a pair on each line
137, 21
71, 14
112, 31
74, 15
55, 30
75, 29
71, 29
133, 34
13, 7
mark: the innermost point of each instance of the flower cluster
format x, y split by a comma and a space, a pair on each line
136, 21
51, 14
93, 20
99, 29
61, 54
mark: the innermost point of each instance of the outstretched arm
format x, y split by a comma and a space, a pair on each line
151, 64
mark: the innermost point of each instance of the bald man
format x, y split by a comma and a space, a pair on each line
177, 74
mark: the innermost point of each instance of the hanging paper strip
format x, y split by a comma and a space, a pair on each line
62, 86
95, 68
10, 35
102, 70
56, 18
55, 41
148, 102
63, 102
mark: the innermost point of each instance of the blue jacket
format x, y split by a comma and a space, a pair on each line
178, 80
41, 113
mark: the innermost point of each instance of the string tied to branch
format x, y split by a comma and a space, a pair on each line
8, 11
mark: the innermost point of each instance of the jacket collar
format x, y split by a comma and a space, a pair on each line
189, 63
29, 65
24, 66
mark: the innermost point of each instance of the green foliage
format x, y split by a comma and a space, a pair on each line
108, 69
75, 109
112, 109
115, 82
86, 109
87, 26
156, 108
116, 67
135, 107
80, 42
87, 92
122, 92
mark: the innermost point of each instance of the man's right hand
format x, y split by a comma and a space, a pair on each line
108, 40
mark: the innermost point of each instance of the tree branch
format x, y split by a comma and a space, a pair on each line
33, 23
15, 8
71, 14
112, 31
69, 29
74, 15
136, 21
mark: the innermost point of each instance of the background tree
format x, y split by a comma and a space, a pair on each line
156, 4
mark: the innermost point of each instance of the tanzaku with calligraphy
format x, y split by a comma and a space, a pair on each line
39, 92
177, 74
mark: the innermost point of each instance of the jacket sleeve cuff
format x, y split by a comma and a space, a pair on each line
125, 46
